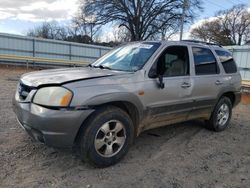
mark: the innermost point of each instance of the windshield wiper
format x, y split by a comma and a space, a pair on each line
104, 67
100, 67
108, 68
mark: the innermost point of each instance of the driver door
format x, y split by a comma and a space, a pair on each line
172, 103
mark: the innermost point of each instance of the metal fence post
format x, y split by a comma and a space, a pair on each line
70, 51
34, 50
27, 64
100, 52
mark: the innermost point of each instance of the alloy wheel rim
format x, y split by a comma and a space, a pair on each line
110, 138
223, 114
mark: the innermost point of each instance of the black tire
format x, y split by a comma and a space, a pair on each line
213, 122
92, 129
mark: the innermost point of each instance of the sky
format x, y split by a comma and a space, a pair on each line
18, 16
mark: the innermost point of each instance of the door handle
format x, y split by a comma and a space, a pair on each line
218, 82
185, 85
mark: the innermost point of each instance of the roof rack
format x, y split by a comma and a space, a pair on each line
202, 42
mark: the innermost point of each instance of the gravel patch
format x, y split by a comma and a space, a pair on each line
182, 155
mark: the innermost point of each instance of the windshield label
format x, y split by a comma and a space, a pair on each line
146, 46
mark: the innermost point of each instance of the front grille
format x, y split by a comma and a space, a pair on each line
24, 90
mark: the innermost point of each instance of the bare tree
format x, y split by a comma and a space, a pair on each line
231, 26
247, 36
49, 30
52, 30
237, 21
120, 34
86, 25
142, 18
212, 31
169, 30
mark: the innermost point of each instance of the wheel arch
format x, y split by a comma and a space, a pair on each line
133, 107
230, 95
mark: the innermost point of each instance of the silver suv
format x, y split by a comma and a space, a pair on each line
103, 107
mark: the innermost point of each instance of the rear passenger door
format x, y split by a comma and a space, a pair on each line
231, 76
207, 82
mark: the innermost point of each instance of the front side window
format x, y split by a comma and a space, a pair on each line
174, 61
131, 57
205, 62
227, 61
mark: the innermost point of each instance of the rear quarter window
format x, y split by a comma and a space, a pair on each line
227, 61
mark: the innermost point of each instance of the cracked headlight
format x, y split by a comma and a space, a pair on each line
53, 96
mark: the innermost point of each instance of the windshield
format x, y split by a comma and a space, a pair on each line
131, 57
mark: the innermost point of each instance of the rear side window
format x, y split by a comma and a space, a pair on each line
227, 61
205, 62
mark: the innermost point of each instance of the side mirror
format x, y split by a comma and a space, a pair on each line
157, 71
161, 83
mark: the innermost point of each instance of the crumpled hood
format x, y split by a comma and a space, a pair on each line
61, 76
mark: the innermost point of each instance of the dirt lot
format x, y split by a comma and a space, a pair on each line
183, 155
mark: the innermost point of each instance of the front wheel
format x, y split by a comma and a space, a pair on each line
107, 136
221, 115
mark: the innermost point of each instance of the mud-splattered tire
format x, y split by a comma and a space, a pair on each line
221, 115
106, 138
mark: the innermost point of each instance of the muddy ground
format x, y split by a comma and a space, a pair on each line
183, 155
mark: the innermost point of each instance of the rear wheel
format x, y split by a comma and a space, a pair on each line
107, 136
221, 115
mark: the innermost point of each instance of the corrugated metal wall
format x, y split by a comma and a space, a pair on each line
241, 55
54, 49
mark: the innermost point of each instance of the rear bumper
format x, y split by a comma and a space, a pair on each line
56, 128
